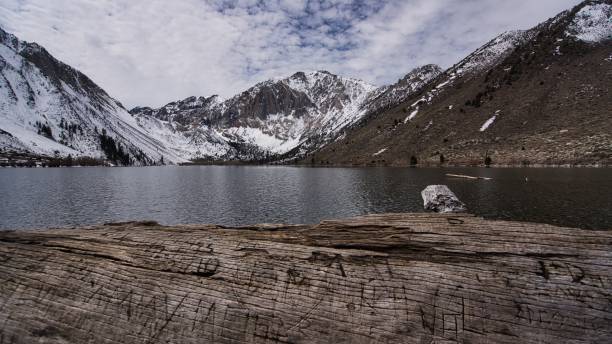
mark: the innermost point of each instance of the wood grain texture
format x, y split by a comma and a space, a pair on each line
392, 278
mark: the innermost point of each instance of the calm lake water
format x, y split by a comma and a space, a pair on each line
241, 195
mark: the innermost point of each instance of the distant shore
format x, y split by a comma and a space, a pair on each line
26, 160
243, 163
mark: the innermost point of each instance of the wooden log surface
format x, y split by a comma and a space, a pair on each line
392, 278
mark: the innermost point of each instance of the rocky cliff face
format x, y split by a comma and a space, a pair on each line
539, 96
49, 108
278, 115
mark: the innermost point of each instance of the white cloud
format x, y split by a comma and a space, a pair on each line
150, 52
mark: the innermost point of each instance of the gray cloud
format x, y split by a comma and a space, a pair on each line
150, 52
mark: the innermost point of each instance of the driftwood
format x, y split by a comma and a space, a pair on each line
394, 278
466, 176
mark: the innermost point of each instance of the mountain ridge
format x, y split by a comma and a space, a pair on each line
537, 101
50, 109
297, 113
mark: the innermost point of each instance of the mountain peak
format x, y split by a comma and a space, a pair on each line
9, 39
428, 68
591, 23
300, 74
22, 47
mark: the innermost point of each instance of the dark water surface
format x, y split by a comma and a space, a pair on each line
240, 195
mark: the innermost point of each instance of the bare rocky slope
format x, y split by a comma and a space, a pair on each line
540, 96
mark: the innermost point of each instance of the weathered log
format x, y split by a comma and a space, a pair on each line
466, 176
440, 199
393, 278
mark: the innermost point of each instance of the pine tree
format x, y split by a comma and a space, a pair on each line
413, 161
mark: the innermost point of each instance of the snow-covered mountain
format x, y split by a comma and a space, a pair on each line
48, 108
271, 117
294, 116
285, 116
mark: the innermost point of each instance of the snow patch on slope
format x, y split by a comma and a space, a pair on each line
485, 57
490, 121
277, 133
197, 144
592, 23
411, 115
380, 152
258, 137
492, 52
388, 96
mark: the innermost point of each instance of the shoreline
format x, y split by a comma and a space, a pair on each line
338, 165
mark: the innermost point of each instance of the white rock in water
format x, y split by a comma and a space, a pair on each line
440, 199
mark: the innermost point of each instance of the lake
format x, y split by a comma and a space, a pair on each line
242, 195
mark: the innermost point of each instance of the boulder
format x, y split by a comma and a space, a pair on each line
440, 199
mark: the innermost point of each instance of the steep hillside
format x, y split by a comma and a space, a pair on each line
389, 96
48, 108
540, 96
376, 102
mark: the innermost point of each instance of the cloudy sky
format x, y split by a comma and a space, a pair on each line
150, 52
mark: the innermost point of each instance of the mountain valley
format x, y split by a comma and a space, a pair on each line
534, 97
